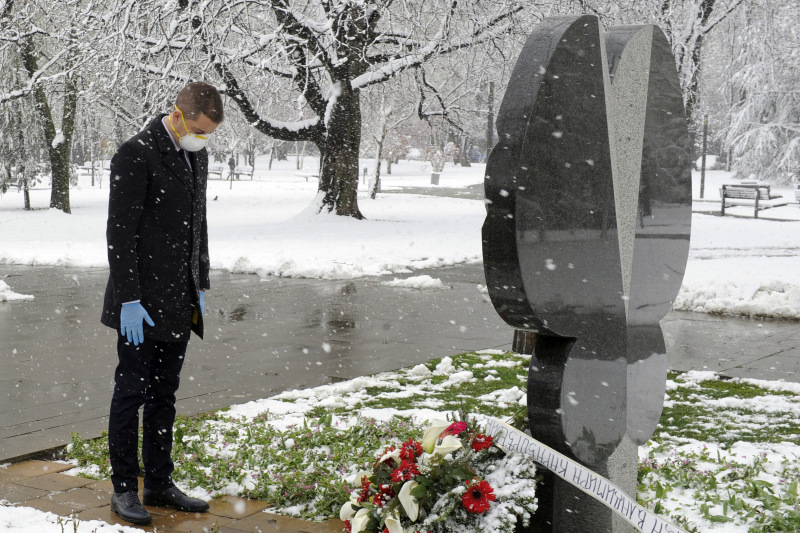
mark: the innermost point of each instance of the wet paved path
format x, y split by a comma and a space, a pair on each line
262, 337
269, 335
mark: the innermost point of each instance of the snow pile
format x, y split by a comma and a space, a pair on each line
6, 294
417, 282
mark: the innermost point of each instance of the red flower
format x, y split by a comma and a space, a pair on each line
384, 496
476, 499
347, 527
481, 442
405, 472
455, 429
409, 451
365, 484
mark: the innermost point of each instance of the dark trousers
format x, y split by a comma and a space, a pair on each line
149, 375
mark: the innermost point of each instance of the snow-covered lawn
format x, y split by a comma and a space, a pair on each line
736, 265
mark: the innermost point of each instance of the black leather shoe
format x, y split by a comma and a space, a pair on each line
128, 507
173, 497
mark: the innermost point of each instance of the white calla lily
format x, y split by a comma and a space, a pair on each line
409, 502
394, 454
449, 444
360, 521
392, 523
348, 509
359, 476
432, 433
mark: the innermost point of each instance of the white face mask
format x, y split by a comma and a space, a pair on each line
191, 142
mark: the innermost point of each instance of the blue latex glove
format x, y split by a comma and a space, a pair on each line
202, 302
130, 320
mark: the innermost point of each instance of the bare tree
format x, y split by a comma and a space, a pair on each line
392, 112
763, 129
51, 45
268, 53
687, 24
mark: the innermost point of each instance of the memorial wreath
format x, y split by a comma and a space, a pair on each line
453, 480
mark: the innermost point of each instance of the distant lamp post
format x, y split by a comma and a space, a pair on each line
703, 157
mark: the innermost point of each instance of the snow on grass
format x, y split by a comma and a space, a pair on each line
725, 457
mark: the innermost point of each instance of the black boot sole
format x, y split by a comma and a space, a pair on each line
137, 521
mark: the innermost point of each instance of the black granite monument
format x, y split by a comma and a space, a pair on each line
585, 242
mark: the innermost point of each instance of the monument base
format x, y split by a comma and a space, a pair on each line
576, 510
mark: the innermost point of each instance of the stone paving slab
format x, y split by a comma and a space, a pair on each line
80, 499
238, 508
54, 482
30, 469
40, 485
20, 493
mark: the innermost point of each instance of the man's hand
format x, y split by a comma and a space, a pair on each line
202, 295
130, 320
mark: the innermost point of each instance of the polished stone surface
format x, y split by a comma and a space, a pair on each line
586, 239
587, 227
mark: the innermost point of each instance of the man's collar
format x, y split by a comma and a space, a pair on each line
166, 128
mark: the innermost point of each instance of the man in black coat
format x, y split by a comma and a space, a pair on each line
159, 272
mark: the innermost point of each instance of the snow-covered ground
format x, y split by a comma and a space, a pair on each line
736, 265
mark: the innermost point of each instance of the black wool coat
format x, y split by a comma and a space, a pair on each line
157, 234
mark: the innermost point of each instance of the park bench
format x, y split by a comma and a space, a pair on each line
307, 175
244, 170
215, 169
755, 194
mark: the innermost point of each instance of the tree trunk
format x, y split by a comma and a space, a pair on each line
60, 154
59, 164
706, 7
26, 193
271, 156
338, 178
378, 152
466, 148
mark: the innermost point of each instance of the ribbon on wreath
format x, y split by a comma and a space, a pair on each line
511, 440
